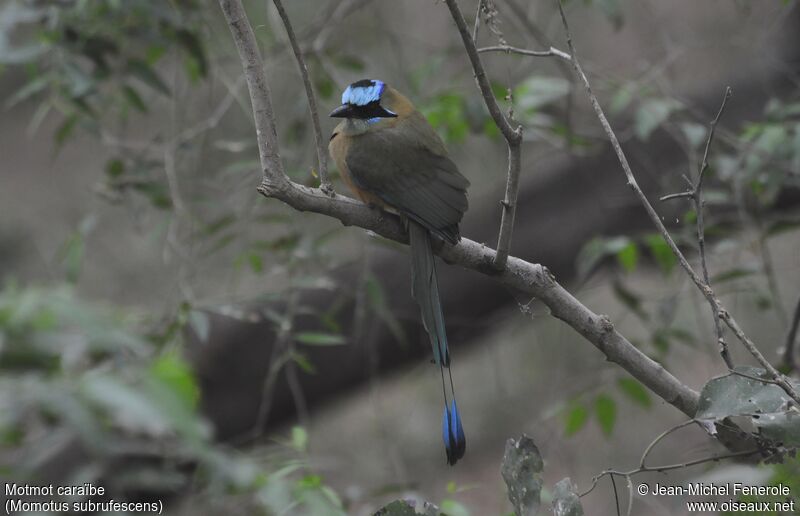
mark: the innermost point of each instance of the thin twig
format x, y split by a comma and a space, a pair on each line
477, 24
616, 496
659, 438
512, 135
699, 205
789, 359
509, 132
654, 217
322, 153
279, 357
666, 467
521, 16
550, 52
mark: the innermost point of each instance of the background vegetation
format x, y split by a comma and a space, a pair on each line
168, 334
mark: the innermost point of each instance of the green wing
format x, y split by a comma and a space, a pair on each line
406, 166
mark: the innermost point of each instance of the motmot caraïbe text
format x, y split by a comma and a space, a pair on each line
390, 157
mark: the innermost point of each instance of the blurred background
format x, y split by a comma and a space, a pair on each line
169, 334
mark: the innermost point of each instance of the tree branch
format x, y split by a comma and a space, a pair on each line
533, 279
696, 195
260, 98
322, 151
512, 135
651, 212
551, 52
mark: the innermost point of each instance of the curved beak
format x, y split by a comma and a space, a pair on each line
343, 111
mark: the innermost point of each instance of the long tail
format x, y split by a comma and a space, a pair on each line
425, 289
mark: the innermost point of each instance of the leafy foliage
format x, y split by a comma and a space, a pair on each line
767, 406
85, 57
77, 377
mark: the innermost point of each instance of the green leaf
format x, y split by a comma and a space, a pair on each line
628, 256
566, 501
303, 362
595, 250
766, 404
635, 391
735, 395
319, 339
145, 73
651, 114
198, 65
299, 438
661, 252
605, 409
453, 508
576, 418
522, 472
256, 262
175, 373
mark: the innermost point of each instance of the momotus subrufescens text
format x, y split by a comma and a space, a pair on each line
391, 157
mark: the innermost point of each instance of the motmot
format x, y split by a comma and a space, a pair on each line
391, 158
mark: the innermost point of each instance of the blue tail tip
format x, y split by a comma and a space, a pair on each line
455, 443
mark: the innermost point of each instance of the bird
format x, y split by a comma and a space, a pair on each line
392, 159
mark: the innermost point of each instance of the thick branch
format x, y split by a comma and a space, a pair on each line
322, 153
512, 135
705, 289
260, 97
533, 279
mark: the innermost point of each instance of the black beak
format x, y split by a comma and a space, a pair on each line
372, 110
343, 111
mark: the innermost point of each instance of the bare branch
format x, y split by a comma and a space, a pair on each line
698, 281
532, 279
266, 134
551, 52
322, 152
696, 195
512, 135
699, 205
667, 467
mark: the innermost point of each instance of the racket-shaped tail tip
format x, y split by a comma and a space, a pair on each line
455, 443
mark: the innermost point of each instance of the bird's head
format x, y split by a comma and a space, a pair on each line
362, 101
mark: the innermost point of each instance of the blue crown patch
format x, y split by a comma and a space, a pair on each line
363, 92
